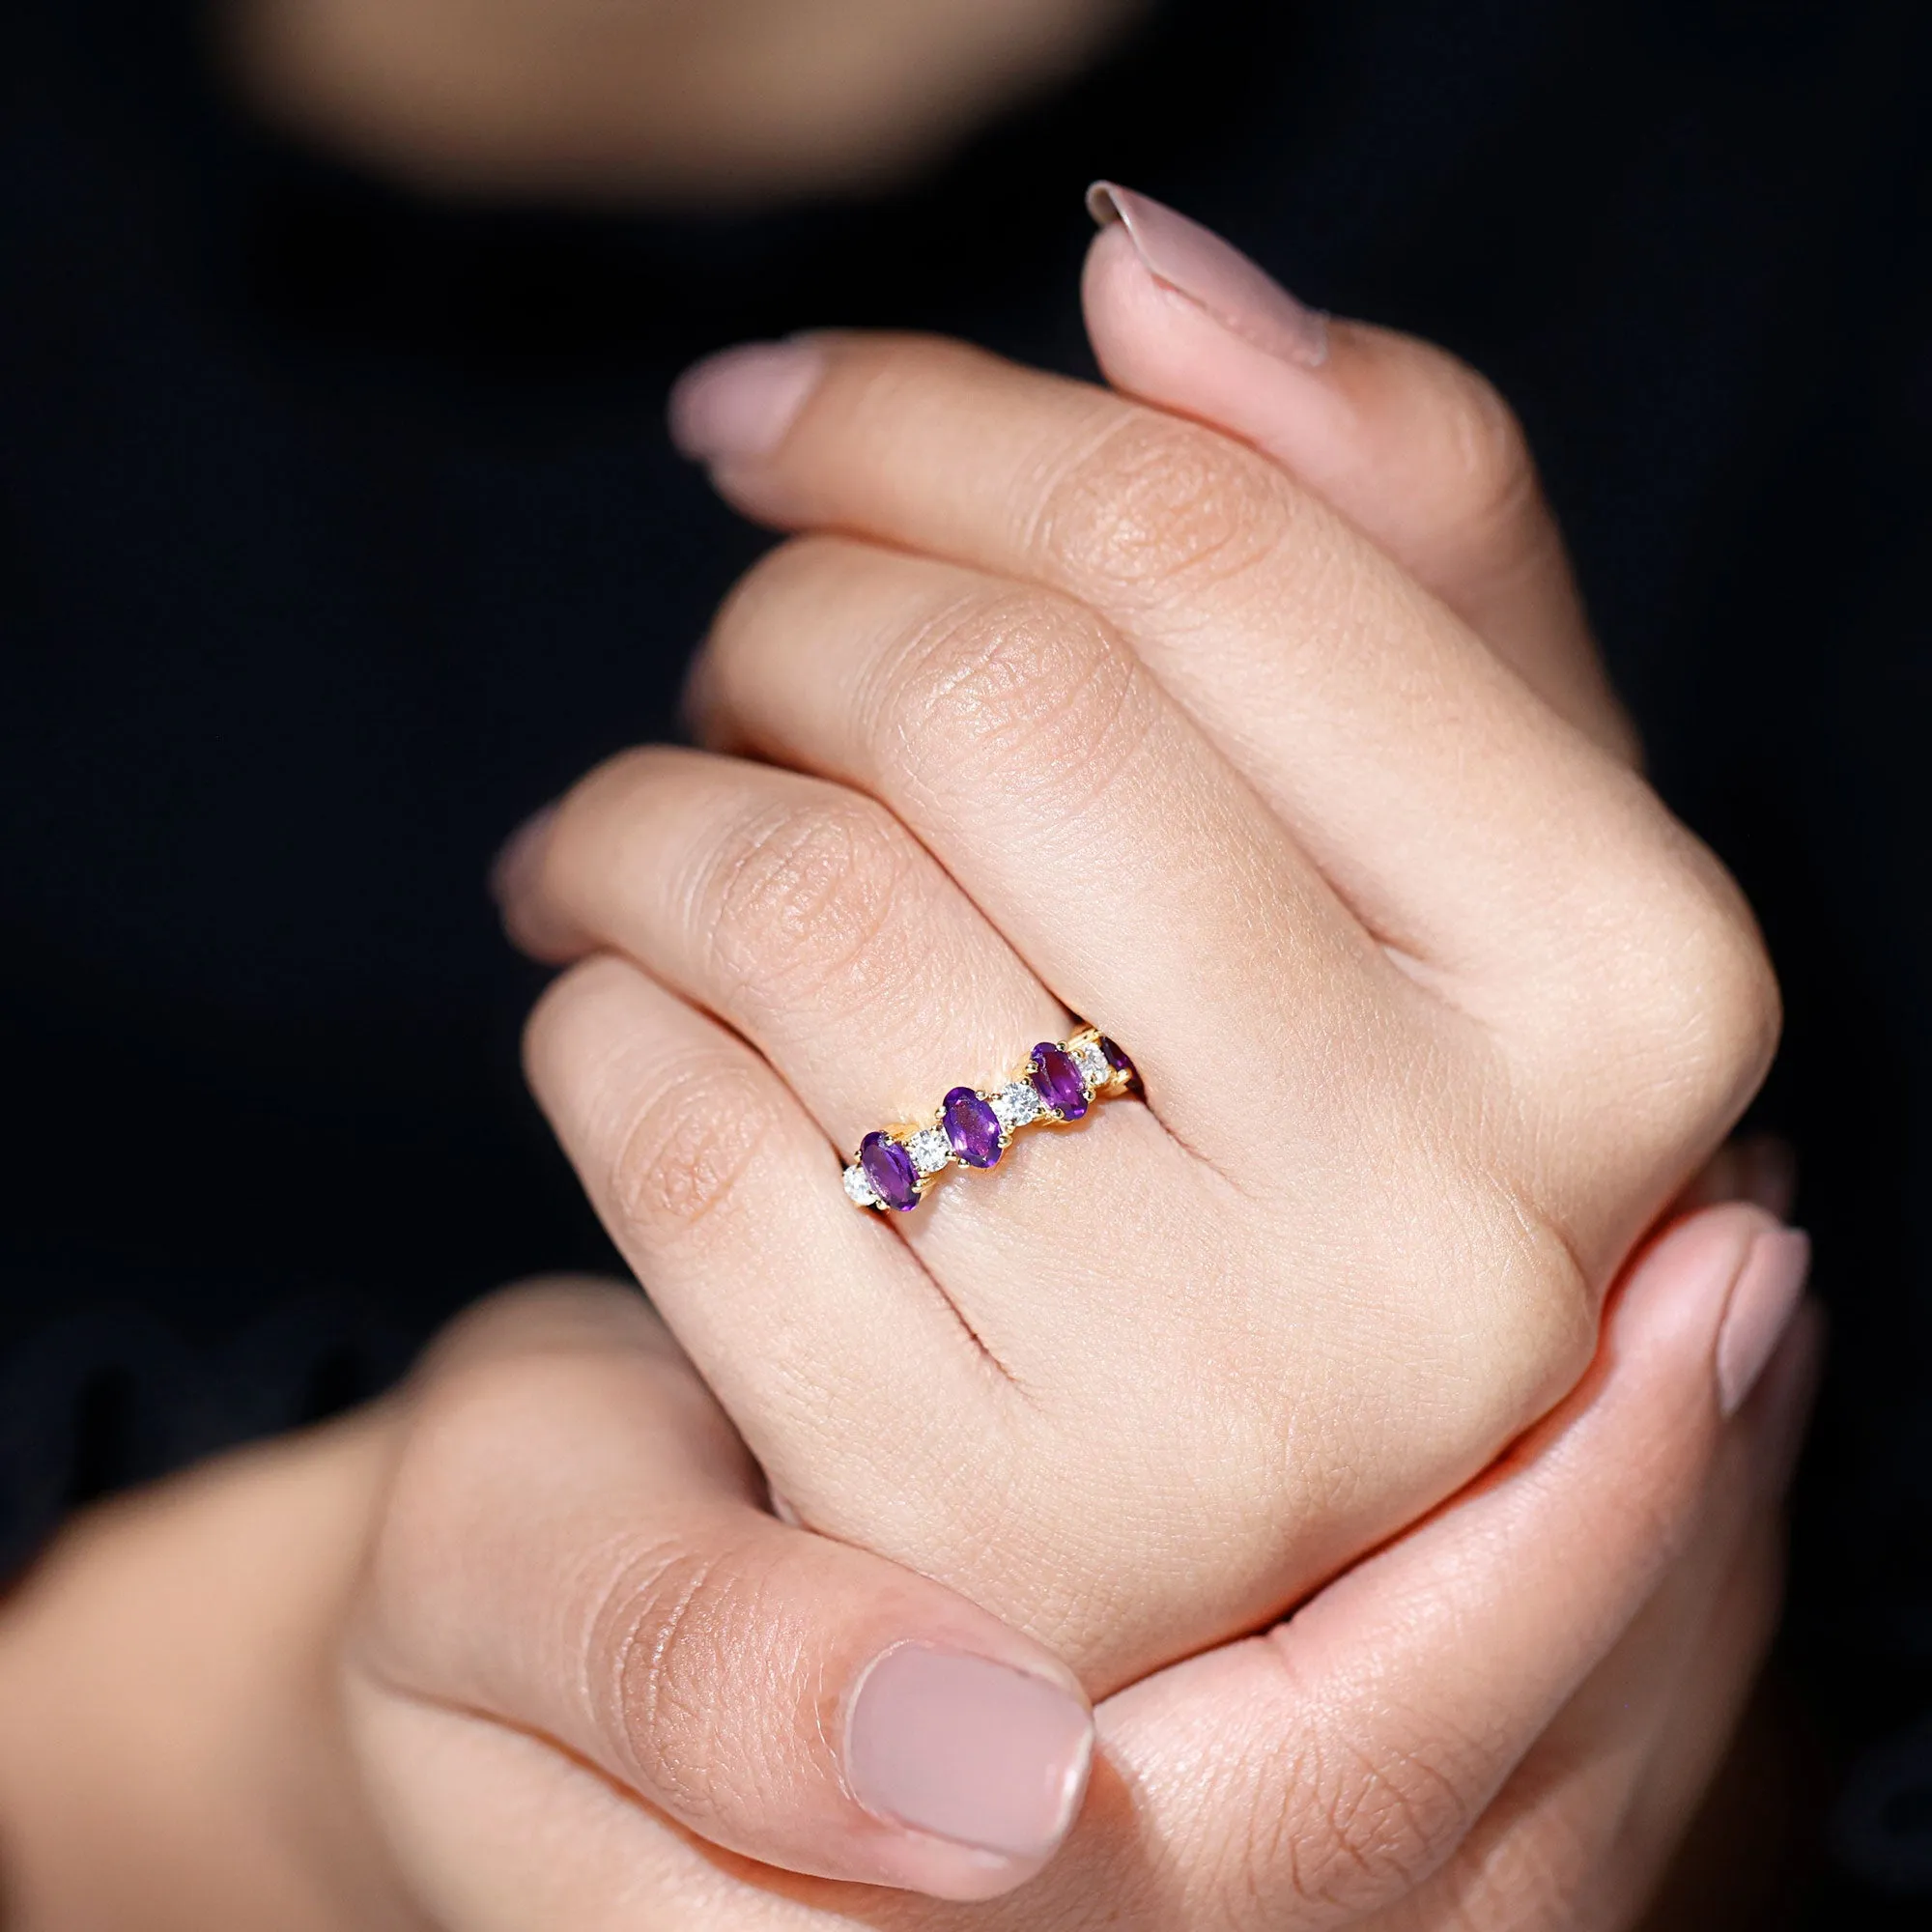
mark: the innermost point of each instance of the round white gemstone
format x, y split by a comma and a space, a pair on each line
930, 1150
1013, 1106
1093, 1065
859, 1188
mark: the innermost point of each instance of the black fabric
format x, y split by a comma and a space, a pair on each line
338, 529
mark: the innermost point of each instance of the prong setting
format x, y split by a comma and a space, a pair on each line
1057, 1084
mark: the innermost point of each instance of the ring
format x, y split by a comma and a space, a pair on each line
1060, 1081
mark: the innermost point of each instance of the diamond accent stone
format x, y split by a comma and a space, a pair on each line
1091, 1063
1062, 1080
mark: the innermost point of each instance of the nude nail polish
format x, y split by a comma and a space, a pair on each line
737, 405
1763, 1299
968, 1750
1195, 262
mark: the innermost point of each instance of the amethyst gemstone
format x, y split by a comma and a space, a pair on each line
1118, 1060
1057, 1081
972, 1127
890, 1169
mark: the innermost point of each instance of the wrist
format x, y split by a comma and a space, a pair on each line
647, 99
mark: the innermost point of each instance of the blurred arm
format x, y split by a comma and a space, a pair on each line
678, 101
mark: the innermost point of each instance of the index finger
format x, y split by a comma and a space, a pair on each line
1414, 447
1467, 825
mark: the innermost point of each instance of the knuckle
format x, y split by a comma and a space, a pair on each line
1468, 455
1509, 1297
674, 1621
1708, 1011
799, 903
1537, 1342
1021, 692
1156, 505
1737, 1013
1663, 1023
1368, 1825
731, 669
686, 1146
1546, 1319
1491, 467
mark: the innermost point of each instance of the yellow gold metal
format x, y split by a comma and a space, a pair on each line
1111, 1084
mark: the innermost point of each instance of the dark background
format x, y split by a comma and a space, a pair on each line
338, 531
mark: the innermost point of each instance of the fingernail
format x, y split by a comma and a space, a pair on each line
1763, 1299
968, 1750
520, 857
739, 403
1196, 263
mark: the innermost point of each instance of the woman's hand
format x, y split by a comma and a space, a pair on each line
1087, 710
502, 1653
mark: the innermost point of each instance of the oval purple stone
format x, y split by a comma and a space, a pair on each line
972, 1127
890, 1169
1057, 1081
1118, 1060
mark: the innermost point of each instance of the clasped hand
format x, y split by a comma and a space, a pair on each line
1271, 742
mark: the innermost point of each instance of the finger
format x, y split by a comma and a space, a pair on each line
811, 923
724, 1195
574, 1550
1353, 1748
803, 915
1412, 447
1135, 872
805, 919
1596, 1807
1467, 828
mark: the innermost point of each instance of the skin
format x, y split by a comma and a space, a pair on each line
232, 1702
676, 101
420, 1710
419, 1713
1059, 640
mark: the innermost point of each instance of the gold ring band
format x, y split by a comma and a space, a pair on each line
1060, 1081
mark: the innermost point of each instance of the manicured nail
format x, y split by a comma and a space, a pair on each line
968, 1750
1196, 263
739, 403
1763, 1299
520, 857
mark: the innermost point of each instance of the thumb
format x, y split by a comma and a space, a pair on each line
575, 1552
1353, 1747
1414, 448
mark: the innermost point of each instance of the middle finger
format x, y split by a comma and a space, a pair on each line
1135, 870
1464, 823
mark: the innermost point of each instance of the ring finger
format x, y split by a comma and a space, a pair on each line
799, 912
1132, 869
805, 918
